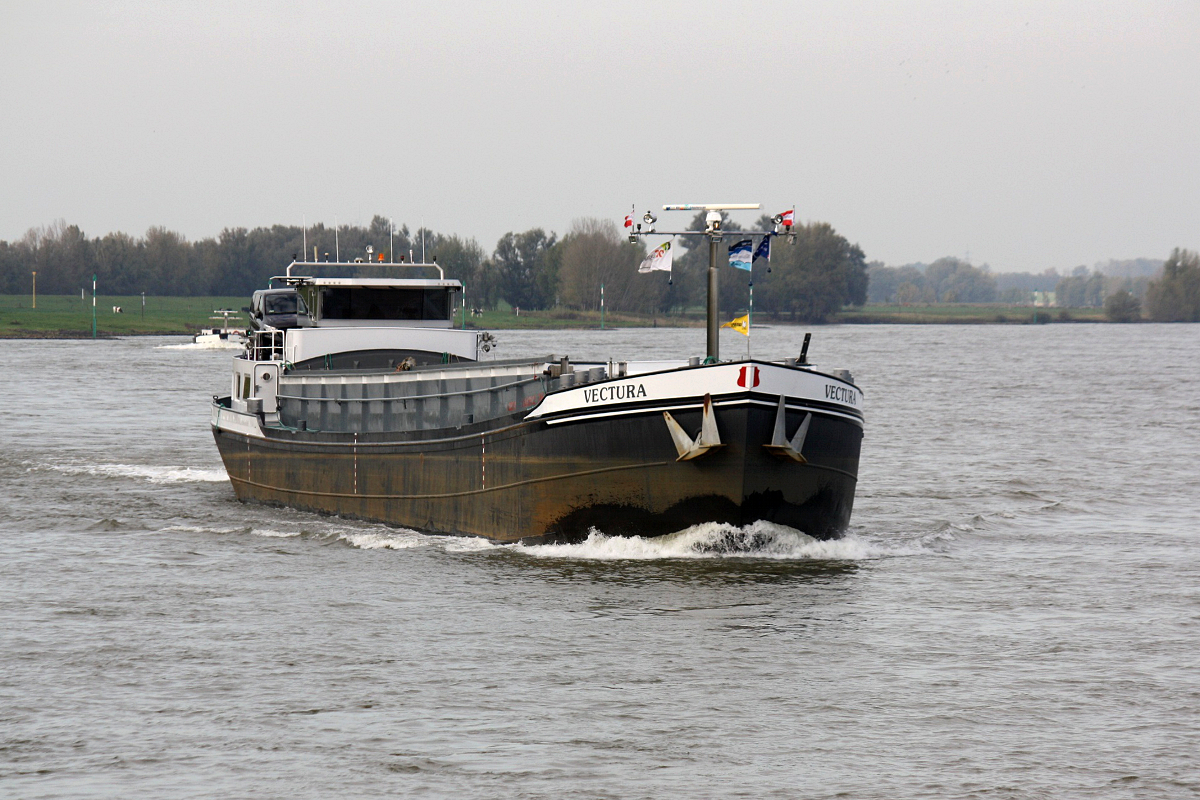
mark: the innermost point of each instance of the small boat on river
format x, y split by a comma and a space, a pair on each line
369, 404
223, 335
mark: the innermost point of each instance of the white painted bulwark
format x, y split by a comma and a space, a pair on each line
716, 379
226, 419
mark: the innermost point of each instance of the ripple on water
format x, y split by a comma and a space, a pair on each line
1019, 580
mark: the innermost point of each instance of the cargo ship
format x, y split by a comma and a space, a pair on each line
369, 404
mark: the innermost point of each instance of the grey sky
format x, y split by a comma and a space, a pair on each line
1029, 134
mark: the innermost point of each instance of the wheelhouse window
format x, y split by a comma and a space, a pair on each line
368, 302
285, 304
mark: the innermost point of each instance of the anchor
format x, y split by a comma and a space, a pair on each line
707, 439
780, 446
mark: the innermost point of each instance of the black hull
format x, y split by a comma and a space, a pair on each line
539, 481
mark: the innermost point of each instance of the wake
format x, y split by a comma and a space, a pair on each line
712, 540
146, 472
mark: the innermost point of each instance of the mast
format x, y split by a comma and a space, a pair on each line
714, 326
712, 231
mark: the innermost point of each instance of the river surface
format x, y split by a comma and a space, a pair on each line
1015, 612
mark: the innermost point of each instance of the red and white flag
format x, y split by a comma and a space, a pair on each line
788, 217
629, 220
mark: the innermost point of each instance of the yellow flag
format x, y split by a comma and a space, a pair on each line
741, 325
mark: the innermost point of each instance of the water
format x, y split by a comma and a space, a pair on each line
1014, 614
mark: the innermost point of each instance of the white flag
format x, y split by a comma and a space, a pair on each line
659, 258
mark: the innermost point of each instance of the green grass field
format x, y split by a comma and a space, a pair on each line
67, 316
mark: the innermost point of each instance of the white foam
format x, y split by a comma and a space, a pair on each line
706, 541
220, 344
202, 529
274, 534
709, 540
269, 533
387, 539
466, 544
147, 472
714, 540
362, 539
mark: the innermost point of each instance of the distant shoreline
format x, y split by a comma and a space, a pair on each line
19, 334
73, 335
66, 317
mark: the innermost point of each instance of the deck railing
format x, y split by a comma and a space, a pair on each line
265, 345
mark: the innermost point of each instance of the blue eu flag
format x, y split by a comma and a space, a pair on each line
764, 249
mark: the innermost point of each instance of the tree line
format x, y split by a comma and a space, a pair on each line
163, 262
947, 280
1125, 292
1175, 295
953, 280
807, 280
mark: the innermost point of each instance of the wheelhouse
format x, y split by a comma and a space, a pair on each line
316, 323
